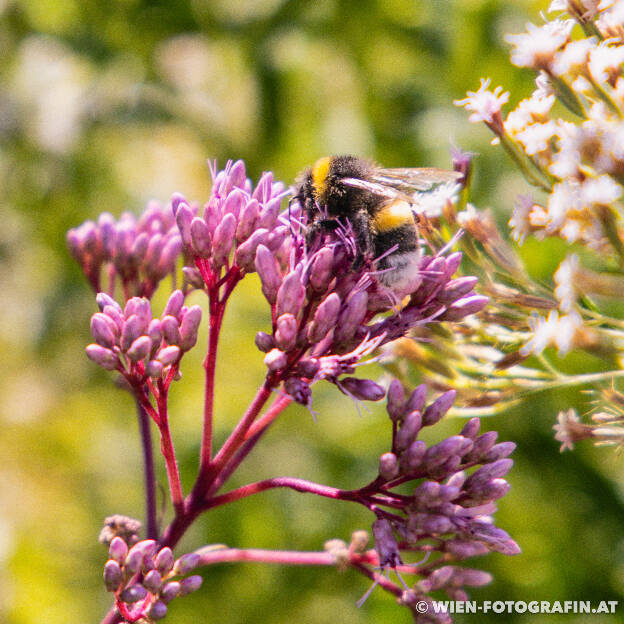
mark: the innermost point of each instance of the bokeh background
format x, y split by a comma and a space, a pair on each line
106, 105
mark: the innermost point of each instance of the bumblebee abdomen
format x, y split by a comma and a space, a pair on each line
394, 215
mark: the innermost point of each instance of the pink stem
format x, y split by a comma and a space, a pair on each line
299, 485
166, 446
271, 414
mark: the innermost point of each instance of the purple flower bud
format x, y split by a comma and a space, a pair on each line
170, 329
275, 359
494, 470
193, 277
133, 593
164, 560
388, 466
435, 276
112, 575
190, 584
428, 492
264, 341
184, 217
471, 429
464, 307
362, 389
223, 239
276, 238
412, 457
139, 247
169, 355
143, 310
170, 591
461, 549
169, 255
158, 610
299, 390
118, 549
321, 272
104, 330
436, 523
438, 408
436, 455
133, 328
246, 252
290, 295
308, 367
236, 177
482, 445
103, 300
498, 451
386, 544
286, 332
154, 369
248, 220
408, 430
115, 314
74, 243
452, 262
269, 273
351, 317
152, 581
440, 577
176, 200
186, 563
456, 289
200, 236
233, 203
139, 349
263, 189
102, 356
457, 480
488, 491
154, 331
269, 213
325, 318
189, 327
154, 249
416, 400
396, 400
472, 578
174, 304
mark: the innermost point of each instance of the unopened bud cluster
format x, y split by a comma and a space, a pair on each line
452, 502
235, 220
323, 311
139, 252
139, 346
145, 579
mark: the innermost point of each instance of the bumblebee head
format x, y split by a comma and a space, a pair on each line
327, 172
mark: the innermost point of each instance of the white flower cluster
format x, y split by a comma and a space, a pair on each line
576, 156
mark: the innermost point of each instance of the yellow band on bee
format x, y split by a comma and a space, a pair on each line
320, 171
393, 215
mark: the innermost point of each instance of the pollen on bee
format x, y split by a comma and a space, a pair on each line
320, 171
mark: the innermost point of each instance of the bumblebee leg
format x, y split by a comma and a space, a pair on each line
360, 223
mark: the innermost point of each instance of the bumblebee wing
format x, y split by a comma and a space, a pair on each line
385, 191
418, 179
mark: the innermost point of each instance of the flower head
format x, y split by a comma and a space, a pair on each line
485, 105
140, 253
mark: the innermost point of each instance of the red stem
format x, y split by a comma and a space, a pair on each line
299, 485
269, 416
166, 446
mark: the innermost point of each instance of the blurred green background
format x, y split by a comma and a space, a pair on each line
105, 105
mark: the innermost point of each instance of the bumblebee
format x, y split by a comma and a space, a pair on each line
380, 205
